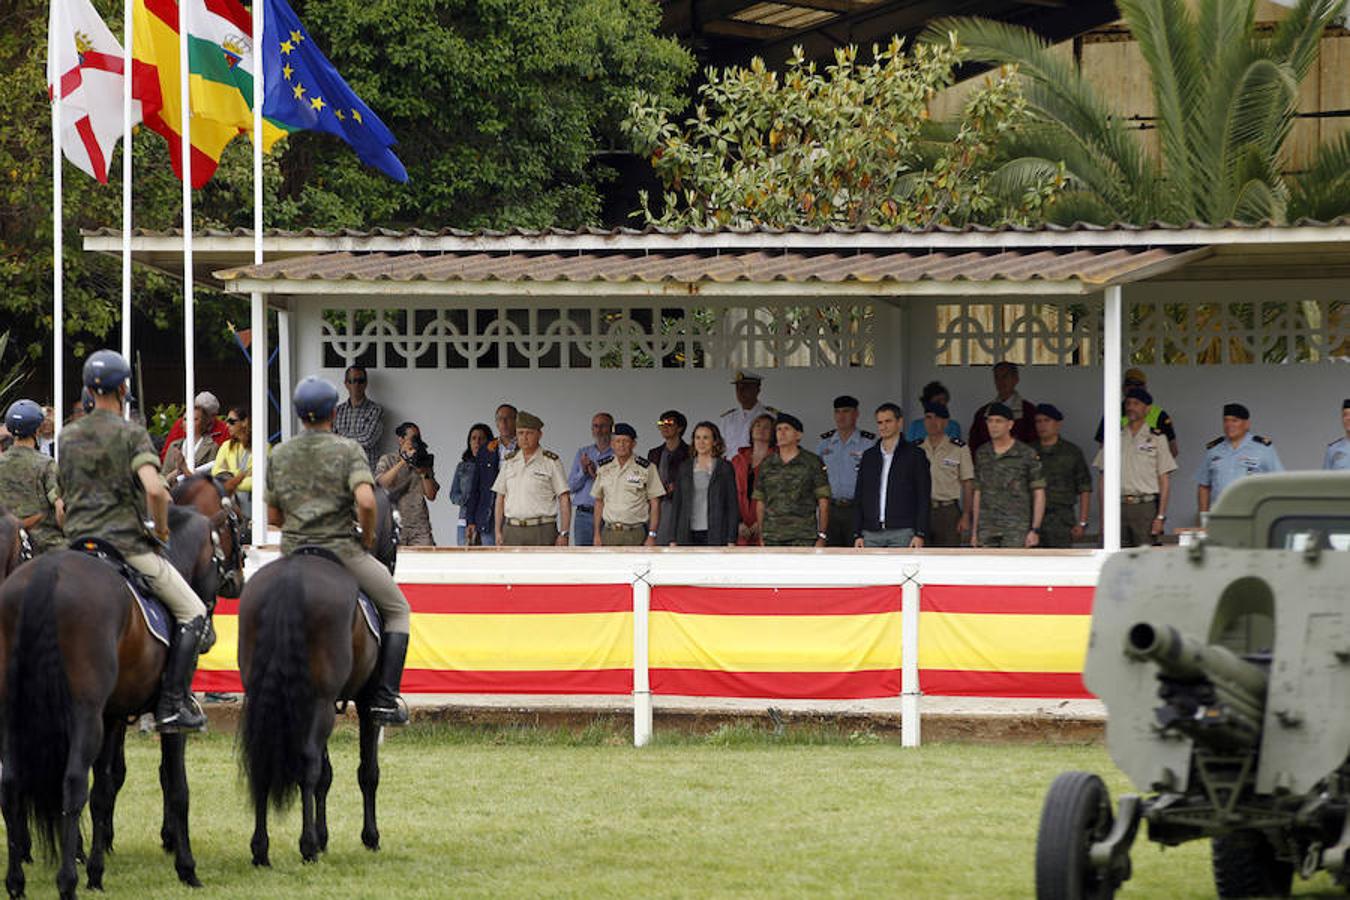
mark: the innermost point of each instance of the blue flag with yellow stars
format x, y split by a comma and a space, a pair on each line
304, 92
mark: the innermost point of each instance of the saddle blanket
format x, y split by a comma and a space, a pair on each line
373, 620
155, 615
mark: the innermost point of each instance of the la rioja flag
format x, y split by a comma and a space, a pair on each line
85, 60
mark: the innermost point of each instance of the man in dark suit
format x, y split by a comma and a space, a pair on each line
893, 488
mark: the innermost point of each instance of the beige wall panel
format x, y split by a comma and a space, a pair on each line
1335, 83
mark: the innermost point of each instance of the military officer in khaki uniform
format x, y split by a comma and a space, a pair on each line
1146, 465
953, 474
531, 491
627, 494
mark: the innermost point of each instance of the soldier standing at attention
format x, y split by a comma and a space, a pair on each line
841, 449
317, 480
1338, 451
531, 492
1009, 500
1154, 417
29, 487
627, 494
109, 474
1235, 454
953, 474
735, 422
1068, 483
792, 492
1146, 467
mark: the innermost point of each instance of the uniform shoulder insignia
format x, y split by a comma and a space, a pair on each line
494, 444
1157, 431
826, 435
606, 462
513, 454
1335, 442
956, 442
867, 435
640, 461
1214, 443
549, 454
1262, 439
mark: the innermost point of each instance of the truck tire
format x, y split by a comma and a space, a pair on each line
1076, 814
1245, 866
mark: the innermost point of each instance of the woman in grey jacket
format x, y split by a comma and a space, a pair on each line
704, 506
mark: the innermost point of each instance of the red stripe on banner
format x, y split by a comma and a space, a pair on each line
777, 685
164, 10
218, 681
1006, 600
233, 13
518, 599
85, 129
1048, 685
776, 601
432, 681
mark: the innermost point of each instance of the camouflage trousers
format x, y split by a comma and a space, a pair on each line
1057, 527
1003, 537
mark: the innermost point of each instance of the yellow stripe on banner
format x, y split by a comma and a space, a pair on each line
224, 656
775, 643
997, 643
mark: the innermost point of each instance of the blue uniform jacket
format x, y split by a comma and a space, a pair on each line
478, 505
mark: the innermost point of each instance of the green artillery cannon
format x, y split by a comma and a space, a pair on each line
1225, 671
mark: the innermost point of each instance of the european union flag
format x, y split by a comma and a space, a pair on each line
304, 92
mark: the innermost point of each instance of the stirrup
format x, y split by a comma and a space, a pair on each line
398, 714
174, 723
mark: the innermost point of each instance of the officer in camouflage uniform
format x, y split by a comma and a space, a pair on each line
792, 491
28, 482
1009, 499
1068, 483
317, 480
109, 476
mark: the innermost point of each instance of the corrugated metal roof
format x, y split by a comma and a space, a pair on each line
760, 267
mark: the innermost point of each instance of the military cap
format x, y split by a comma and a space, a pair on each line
845, 401
1345, 404
998, 409
789, 419
623, 429
938, 409
529, 420
743, 375
1138, 393
1051, 410
1135, 376
1236, 410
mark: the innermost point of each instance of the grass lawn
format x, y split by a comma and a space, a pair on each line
530, 812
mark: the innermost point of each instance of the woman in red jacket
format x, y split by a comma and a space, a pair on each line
746, 463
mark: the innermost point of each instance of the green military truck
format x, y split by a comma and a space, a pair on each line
1225, 670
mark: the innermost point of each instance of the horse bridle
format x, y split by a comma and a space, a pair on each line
227, 566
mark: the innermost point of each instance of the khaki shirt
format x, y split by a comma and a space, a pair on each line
626, 490
531, 489
1144, 457
950, 464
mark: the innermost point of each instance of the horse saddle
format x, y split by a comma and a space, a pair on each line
152, 611
363, 601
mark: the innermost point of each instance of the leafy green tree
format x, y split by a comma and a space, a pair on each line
1225, 96
848, 146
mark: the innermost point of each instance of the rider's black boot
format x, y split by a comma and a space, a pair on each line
385, 705
176, 710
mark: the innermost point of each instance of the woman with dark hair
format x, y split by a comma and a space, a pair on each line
704, 508
668, 457
466, 474
746, 465
933, 392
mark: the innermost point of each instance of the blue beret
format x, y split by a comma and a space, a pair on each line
1138, 393
1237, 410
845, 401
998, 409
1051, 410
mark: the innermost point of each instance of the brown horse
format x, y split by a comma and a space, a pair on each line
206, 496
76, 663
303, 647
11, 545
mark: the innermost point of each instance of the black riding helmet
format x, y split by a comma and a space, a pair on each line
315, 399
24, 418
105, 371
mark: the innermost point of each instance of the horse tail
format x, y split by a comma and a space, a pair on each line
279, 697
37, 707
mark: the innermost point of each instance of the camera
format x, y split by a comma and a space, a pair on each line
420, 457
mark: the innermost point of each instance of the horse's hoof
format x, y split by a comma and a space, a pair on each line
190, 878
262, 862
95, 884
308, 858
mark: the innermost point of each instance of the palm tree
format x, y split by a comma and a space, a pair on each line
1225, 98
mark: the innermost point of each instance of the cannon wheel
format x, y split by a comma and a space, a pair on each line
1245, 866
1076, 814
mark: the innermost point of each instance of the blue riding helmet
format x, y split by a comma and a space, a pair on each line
24, 418
314, 399
105, 371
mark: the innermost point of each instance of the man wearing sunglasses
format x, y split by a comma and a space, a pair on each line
358, 417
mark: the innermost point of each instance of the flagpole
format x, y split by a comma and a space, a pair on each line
128, 36
258, 393
185, 148
58, 248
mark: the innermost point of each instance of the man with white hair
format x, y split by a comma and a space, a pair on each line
205, 409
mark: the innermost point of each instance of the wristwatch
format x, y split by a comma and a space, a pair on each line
564, 533
822, 536
1035, 530
1083, 524
651, 534
1161, 518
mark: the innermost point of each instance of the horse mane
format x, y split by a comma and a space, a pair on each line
187, 529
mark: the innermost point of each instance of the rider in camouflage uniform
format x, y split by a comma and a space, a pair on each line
28, 483
109, 475
316, 480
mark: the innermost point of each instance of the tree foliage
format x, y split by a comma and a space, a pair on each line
847, 146
1225, 94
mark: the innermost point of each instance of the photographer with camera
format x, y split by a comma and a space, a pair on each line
410, 479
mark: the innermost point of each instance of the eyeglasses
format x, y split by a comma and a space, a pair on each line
357, 380
663, 422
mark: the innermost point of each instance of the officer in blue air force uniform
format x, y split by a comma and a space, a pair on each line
1338, 451
841, 449
1235, 454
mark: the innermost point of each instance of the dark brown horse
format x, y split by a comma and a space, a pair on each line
77, 662
206, 496
303, 647
11, 545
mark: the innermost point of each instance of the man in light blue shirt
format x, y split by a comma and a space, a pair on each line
933, 392
1236, 454
1338, 452
841, 449
582, 478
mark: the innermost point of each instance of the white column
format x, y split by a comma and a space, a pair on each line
1113, 321
642, 691
189, 319
909, 658
128, 34
58, 249
284, 362
258, 325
